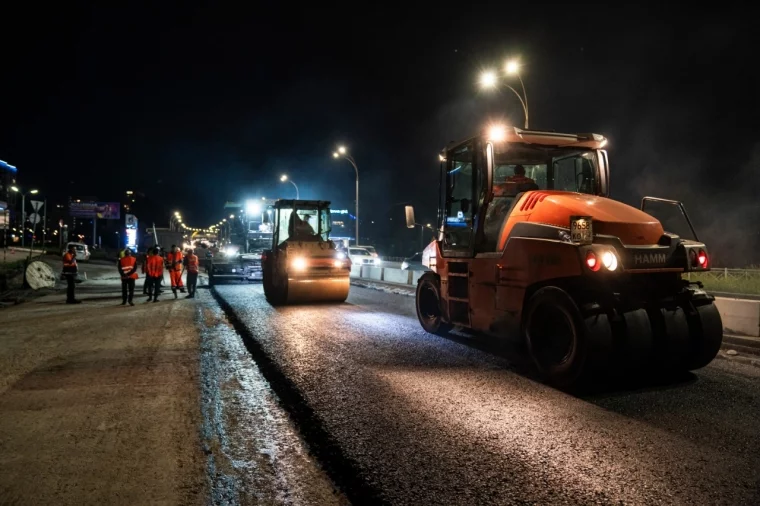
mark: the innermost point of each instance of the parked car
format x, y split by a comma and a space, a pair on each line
361, 256
82, 251
414, 263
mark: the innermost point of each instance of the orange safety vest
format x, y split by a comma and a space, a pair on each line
128, 266
192, 263
174, 260
69, 263
155, 266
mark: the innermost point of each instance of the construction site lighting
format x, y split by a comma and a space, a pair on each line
497, 133
252, 207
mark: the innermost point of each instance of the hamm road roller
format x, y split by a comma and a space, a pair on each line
303, 264
530, 244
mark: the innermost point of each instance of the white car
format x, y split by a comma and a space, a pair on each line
371, 250
361, 256
82, 251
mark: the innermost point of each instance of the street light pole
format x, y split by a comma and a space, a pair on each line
343, 153
488, 79
284, 178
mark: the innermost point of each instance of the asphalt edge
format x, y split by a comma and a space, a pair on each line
343, 471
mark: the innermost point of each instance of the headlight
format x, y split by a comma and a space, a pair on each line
338, 264
404, 265
298, 264
378, 261
340, 256
609, 260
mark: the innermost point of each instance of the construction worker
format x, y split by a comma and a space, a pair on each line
69, 273
192, 263
174, 264
128, 270
519, 176
154, 267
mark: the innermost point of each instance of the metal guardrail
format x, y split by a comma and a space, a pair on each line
726, 273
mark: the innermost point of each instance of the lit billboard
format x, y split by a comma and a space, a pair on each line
100, 210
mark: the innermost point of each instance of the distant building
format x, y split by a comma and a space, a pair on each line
7, 197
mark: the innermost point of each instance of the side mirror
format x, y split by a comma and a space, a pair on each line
409, 210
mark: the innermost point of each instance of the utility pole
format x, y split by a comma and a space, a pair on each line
44, 224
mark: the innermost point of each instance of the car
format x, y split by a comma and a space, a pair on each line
414, 263
362, 256
82, 252
371, 250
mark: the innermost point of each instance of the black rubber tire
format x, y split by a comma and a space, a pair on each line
429, 306
706, 333
555, 335
274, 291
636, 341
670, 329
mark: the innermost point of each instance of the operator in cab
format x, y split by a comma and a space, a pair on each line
300, 228
519, 176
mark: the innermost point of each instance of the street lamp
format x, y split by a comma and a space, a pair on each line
23, 209
284, 178
342, 152
175, 220
489, 80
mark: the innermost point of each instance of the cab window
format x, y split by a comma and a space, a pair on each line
459, 194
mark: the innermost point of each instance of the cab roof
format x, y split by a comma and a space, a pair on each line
542, 138
319, 204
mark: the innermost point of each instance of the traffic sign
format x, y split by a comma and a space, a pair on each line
34, 218
36, 204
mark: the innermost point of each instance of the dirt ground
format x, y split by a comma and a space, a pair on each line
99, 403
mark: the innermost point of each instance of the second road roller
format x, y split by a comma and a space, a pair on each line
531, 245
303, 264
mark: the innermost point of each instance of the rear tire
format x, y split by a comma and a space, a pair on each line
555, 335
429, 307
706, 336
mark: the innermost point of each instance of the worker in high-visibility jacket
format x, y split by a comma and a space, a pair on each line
154, 272
128, 270
192, 264
69, 273
174, 264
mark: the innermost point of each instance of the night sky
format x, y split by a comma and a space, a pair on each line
197, 106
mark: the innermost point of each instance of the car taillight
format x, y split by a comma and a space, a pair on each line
592, 262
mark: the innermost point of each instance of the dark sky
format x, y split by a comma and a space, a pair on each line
198, 106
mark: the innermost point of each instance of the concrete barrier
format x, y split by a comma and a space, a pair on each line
397, 276
740, 316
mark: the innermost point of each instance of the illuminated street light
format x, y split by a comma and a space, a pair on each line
232, 216
344, 153
284, 178
488, 80
23, 210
